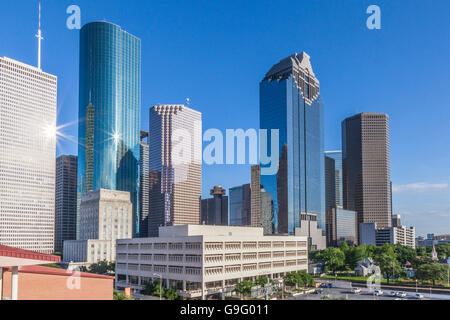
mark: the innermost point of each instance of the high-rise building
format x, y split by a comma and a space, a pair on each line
105, 216
330, 183
143, 185
109, 112
175, 156
266, 212
65, 200
396, 220
341, 226
366, 167
290, 102
255, 196
309, 228
337, 157
240, 205
214, 211
370, 233
27, 156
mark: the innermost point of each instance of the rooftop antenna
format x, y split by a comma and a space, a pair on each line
39, 37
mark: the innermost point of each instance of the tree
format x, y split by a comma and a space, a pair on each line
386, 259
432, 272
355, 254
244, 288
263, 281
158, 289
171, 294
405, 254
334, 259
121, 296
100, 267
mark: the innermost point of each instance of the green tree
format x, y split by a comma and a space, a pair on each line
334, 259
355, 254
386, 259
432, 272
171, 294
158, 289
244, 288
405, 254
121, 296
100, 267
263, 281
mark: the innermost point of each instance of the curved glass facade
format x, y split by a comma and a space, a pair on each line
109, 111
290, 101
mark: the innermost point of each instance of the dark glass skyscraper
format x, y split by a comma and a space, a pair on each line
337, 157
109, 111
290, 102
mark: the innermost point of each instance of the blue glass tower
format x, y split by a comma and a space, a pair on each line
109, 111
290, 102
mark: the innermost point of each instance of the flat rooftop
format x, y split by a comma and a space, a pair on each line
208, 230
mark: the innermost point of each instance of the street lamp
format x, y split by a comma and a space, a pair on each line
160, 283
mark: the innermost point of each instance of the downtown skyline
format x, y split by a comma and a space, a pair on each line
426, 185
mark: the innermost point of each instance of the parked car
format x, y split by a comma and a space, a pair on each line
378, 292
356, 290
401, 294
393, 293
318, 291
419, 296
323, 285
330, 285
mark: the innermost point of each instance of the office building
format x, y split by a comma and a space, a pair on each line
200, 260
290, 102
366, 168
214, 211
330, 183
310, 229
266, 212
175, 165
255, 196
143, 185
341, 226
65, 200
27, 156
396, 221
371, 234
109, 112
105, 216
240, 205
337, 157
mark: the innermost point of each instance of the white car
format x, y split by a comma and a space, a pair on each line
356, 290
378, 292
393, 293
419, 296
401, 294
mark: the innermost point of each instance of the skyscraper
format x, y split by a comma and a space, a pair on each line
240, 205
27, 156
330, 183
143, 185
290, 102
366, 167
337, 157
255, 197
214, 211
65, 200
175, 155
109, 111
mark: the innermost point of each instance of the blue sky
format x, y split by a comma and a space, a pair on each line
217, 52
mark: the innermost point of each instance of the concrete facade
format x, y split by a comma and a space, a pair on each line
309, 228
201, 260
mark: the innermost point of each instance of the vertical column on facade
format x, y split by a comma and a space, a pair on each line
203, 290
15, 283
223, 289
184, 286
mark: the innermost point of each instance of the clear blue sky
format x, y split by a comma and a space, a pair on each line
216, 53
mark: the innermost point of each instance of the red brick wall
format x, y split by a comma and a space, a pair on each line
34, 286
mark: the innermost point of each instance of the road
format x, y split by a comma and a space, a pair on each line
342, 289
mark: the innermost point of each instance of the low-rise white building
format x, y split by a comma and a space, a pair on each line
201, 260
105, 215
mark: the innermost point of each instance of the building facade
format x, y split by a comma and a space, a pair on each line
337, 157
330, 183
290, 102
266, 212
28, 99
105, 216
342, 226
175, 166
214, 211
240, 205
201, 260
65, 200
366, 167
371, 234
144, 184
310, 229
109, 111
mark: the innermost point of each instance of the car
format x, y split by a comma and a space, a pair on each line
378, 292
393, 293
401, 294
323, 285
419, 296
356, 290
318, 291
330, 285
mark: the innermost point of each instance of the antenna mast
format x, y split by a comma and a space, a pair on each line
39, 37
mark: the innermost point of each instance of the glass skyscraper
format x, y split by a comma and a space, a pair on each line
290, 102
109, 111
